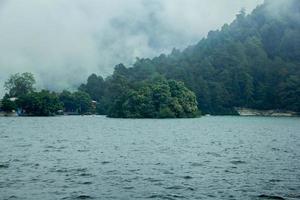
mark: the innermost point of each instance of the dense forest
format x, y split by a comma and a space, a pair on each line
23, 98
156, 98
254, 62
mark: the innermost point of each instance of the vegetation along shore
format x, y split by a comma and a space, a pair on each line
251, 63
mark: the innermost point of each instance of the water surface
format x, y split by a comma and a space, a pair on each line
94, 157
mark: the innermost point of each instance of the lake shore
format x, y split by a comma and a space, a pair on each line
240, 112
266, 113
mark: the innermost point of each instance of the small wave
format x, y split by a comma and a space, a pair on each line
263, 196
156, 196
24, 145
275, 180
78, 196
86, 175
69, 171
12, 197
86, 183
214, 154
35, 165
187, 177
237, 162
158, 184
195, 164
134, 170
49, 147
4, 165
166, 172
190, 188
128, 188
81, 169
294, 196
152, 180
113, 172
276, 149
175, 187
228, 171
83, 150
84, 197
165, 196
62, 170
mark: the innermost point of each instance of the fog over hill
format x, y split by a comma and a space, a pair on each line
63, 41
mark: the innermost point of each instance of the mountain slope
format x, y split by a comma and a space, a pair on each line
253, 62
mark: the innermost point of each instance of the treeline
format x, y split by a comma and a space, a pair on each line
254, 62
158, 98
23, 98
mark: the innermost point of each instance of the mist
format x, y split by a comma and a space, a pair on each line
63, 41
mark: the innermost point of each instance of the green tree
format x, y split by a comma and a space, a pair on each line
94, 87
83, 102
20, 84
68, 100
156, 99
8, 105
44, 103
290, 93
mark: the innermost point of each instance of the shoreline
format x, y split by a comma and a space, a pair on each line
266, 113
241, 113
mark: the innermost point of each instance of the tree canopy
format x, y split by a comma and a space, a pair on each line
155, 99
77, 102
7, 105
20, 84
252, 62
42, 103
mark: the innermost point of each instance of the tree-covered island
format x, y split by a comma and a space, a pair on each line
254, 62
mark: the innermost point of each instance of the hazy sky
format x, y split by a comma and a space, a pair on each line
63, 41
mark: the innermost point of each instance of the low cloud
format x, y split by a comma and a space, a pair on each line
63, 41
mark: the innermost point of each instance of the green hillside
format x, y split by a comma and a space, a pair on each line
253, 62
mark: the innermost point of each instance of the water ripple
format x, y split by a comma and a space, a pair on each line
101, 158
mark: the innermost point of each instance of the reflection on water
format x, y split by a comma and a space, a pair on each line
94, 157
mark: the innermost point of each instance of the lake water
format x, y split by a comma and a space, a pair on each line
94, 157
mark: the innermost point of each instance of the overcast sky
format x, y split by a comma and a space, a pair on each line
63, 41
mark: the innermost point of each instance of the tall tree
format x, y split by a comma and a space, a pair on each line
20, 84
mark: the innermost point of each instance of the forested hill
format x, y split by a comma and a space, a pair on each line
254, 62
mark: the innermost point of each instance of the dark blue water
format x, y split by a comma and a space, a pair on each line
95, 157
